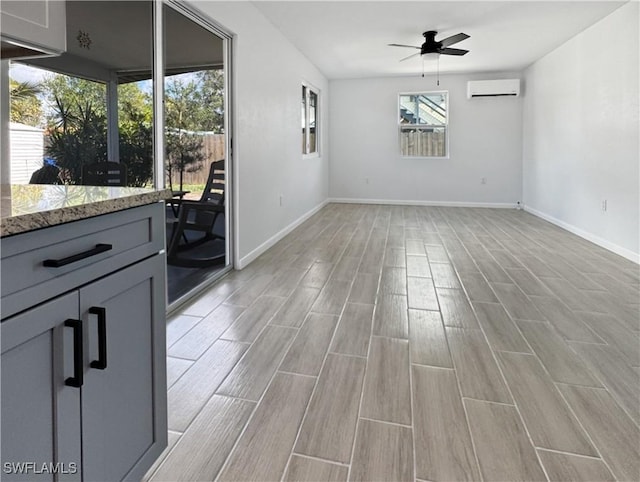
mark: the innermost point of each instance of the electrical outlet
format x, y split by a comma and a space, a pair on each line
366, 180
281, 199
604, 206
483, 180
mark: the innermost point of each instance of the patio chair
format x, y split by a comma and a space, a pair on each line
196, 222
104, 174
47, 174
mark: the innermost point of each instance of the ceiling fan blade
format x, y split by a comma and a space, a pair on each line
452, 51
401, 45
454, 39
410, 56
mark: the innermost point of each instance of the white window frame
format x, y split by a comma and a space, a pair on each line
445, 126
306, 152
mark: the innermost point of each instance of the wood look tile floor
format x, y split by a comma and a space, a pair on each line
411, 343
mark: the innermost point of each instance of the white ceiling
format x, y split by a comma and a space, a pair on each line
347, 39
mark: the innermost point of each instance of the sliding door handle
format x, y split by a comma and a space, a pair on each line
78, 354
101, 362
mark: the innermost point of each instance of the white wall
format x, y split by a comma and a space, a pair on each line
485, 141
581, 128
26, 145
268, 74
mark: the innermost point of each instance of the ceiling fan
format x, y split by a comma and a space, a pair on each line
433, 46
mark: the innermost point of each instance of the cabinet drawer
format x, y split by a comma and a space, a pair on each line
123, 237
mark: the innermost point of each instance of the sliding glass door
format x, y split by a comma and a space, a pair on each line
196, 161
143, 89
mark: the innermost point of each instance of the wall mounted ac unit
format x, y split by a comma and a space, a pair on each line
493, 88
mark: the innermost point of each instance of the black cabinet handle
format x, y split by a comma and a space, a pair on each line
57, 263
101, 362
78, 354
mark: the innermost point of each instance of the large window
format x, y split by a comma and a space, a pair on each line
91, 105
309, 120
423, 119
60, 122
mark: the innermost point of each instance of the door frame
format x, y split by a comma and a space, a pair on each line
197, 16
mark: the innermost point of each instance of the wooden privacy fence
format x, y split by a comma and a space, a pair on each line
422, 143
213, 149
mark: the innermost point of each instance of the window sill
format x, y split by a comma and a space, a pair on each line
433, 158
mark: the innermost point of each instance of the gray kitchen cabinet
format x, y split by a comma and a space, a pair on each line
36, 23
40, 413
119, 425
84, 373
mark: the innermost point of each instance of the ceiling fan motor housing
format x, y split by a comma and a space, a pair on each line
430, 46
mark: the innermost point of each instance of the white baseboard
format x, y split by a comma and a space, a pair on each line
624, 252
458, 204
244, 261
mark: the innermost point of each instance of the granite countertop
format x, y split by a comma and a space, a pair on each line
31, 206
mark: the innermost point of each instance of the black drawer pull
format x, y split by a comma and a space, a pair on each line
57, 263
78, 354
101, 362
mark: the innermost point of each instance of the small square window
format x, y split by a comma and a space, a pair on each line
423, 124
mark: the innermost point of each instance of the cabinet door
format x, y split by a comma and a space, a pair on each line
124, 393
40, 23
40, 413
